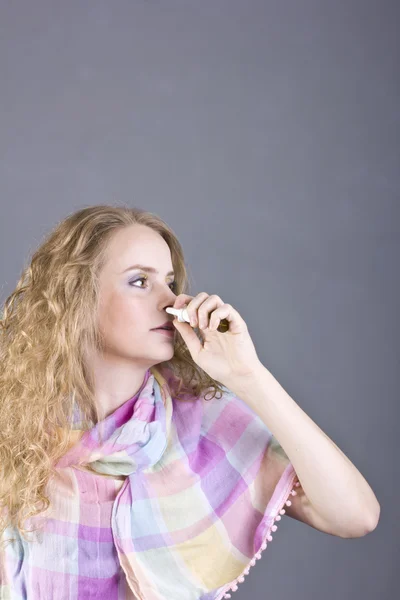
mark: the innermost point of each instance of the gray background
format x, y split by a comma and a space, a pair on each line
267, 135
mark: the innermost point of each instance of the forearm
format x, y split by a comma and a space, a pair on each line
329, 479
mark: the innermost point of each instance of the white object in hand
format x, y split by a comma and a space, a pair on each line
181, 313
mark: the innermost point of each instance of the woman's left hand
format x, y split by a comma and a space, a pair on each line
224, 356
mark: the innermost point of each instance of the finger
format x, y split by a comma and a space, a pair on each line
181, 300
219, 314
193, 306
227, 313
208, 306
190, 303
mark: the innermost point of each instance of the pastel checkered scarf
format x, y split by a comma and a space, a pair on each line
177, 504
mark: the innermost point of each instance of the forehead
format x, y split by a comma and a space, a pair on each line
137, 244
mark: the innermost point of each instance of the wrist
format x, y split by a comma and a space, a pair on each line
246, 383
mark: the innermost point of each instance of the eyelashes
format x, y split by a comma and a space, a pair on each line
174, 284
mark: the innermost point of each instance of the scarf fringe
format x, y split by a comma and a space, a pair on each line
232, 586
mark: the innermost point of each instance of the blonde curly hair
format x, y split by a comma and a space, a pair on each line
47, 327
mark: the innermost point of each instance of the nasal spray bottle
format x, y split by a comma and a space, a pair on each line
182, 315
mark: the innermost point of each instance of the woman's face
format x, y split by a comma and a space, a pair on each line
130, 307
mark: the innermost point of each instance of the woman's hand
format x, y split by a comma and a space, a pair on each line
223, 356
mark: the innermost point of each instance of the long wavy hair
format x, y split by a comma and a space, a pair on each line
48, 325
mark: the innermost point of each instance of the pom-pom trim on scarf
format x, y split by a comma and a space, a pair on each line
232, 586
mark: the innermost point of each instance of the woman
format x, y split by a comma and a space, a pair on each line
137, 485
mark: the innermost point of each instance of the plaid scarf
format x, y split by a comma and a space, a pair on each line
176, 504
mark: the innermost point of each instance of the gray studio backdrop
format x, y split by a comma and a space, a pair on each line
267, 135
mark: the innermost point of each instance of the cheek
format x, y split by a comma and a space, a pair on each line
120, 313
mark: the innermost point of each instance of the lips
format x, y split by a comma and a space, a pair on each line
167, 325
165, 332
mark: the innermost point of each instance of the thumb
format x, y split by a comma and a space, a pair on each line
189, 336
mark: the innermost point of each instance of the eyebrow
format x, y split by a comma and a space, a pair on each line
147, 269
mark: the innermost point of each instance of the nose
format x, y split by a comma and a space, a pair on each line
170, 299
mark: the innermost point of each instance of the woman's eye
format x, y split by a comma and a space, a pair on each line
173, 283
139, 279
